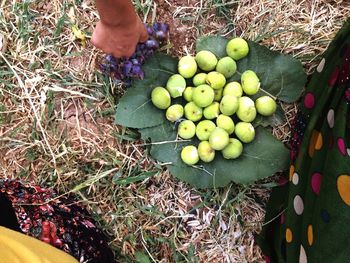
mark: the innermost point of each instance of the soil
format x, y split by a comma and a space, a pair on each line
183, 27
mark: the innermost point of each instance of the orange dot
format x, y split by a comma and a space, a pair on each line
316, 142
343, 185
291, 172
289, 235
319, 142
310, 235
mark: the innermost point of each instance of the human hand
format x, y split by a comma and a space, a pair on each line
119, 40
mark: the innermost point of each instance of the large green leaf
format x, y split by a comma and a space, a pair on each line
281, 75
135, 109
217, 45
275, 120
260, 159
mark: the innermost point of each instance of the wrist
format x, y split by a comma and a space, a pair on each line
116, 13
129, 22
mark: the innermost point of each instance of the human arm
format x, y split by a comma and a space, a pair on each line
119, 29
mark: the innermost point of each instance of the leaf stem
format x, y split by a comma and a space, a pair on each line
162, 142
274, 97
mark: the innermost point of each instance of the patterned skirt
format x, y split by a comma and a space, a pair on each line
56, 220
308, 218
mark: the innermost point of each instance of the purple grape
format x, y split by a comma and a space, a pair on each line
136, 70
127, 68
135, 61
111, 59
156, 26
152, 43
164, 27
124, 69
161, 35
117, 81
149, 30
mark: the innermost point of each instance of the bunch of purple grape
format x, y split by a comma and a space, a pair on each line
123, 70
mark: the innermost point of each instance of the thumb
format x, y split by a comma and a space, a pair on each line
143, 33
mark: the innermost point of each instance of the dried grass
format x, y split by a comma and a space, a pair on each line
56, 122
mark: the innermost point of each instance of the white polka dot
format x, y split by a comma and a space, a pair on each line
321, 65
295, 179
330, 118
348, 151
298, 205
302, 256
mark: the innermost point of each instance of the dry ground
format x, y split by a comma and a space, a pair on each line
56, 121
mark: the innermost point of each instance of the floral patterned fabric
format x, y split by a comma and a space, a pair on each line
56, 220
308, 218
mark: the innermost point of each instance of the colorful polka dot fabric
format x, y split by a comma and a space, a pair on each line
308, 218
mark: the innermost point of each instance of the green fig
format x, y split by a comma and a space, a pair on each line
226, 123
188, 94
216, 80
218, 139
206, 152
187, 66
250, 82
266, 105
245, 132
226, 66
199, 79
176, 85
186, 129
218, 94
246, 109
174, 112
189, 155
229, 105
233, 88
237, 48
193, 112
203, 95
233, 150
206, 60
204, 128
212, 111
160, 98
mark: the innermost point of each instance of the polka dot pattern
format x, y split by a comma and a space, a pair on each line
310, 235
316, 142
291, 172
295, 179
321, 65
343, 185
267, 259
309, 100
316, 181
298, 205
282, 218
334, 77
289, 235
325, 216
330, 118
302, 255
341, 146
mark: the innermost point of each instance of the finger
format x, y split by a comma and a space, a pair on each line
144, 35
94, 38
129, 52
126, 52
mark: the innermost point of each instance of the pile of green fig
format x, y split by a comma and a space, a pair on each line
205, 104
